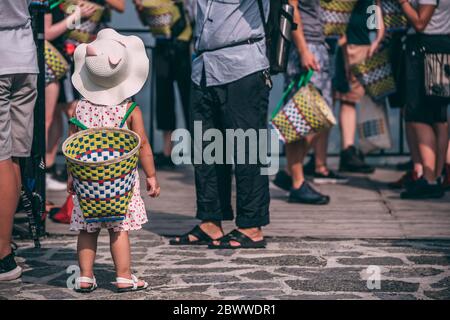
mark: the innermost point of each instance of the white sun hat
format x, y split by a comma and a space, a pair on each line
110, 69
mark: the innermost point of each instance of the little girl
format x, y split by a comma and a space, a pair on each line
108, 71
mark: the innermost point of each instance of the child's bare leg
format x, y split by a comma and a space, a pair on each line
121, 255
87, 249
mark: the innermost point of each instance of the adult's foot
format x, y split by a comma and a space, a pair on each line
329, 177
446, 178
352, 160
308, 195
201, 234
422, 189
9, 270
245, 238
405, 180
283, 180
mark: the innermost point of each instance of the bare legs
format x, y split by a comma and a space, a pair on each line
120, 252
414, 149
87, 249
432, 143
295, 154
10, 184
52, 122
347, 121
167, 151
320, 145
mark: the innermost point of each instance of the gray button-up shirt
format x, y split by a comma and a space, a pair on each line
221, 23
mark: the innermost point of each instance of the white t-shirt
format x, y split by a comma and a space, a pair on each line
440, 21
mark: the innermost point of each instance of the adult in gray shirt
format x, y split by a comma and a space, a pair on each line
230, 90
18, 75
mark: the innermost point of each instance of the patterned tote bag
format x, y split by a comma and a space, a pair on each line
305, 113
375, 74
56, 65
393, 16
87, 29
335, 16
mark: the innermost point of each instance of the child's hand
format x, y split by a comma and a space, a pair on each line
70, 185
153, 187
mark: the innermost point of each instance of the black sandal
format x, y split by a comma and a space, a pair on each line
202, 238
244, 242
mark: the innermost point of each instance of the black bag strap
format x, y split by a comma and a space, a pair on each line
263, 18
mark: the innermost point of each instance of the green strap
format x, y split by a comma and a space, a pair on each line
78, 123
127, 114
55, 3
304, 80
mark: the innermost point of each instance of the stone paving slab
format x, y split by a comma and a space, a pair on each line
290, 268
313, 252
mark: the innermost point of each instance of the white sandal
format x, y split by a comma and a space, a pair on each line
91, 281
133, 281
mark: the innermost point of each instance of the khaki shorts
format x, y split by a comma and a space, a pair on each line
18, 94
353, 54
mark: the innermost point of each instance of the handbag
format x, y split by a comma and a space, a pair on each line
373, 126
375, 74
165, 18
436, 52
305, 113
393, 16
56, 65
336, 15
86, 31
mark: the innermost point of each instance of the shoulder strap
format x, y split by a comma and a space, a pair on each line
263, 17
77, 123
127, 114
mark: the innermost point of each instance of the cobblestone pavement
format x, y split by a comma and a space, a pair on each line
326, 252
290, 268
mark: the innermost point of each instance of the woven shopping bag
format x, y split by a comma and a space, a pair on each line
373, 126
393, 16
305, 113
56, 65
86, 31
336, 15
376, 75
160, 16
103, 164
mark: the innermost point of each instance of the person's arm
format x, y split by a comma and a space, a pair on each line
136, 123
298, 37
54, 30
118, 5
380, 30
419, 18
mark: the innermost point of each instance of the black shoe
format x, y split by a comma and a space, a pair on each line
306, 194
310, 167
422, 189
331, 178
353, 161
162, 161
283, 180
9, 269
405, 166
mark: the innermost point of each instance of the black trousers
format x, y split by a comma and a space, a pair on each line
241, 104
172, 63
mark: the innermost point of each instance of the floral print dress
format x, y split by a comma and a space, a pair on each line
93, 116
